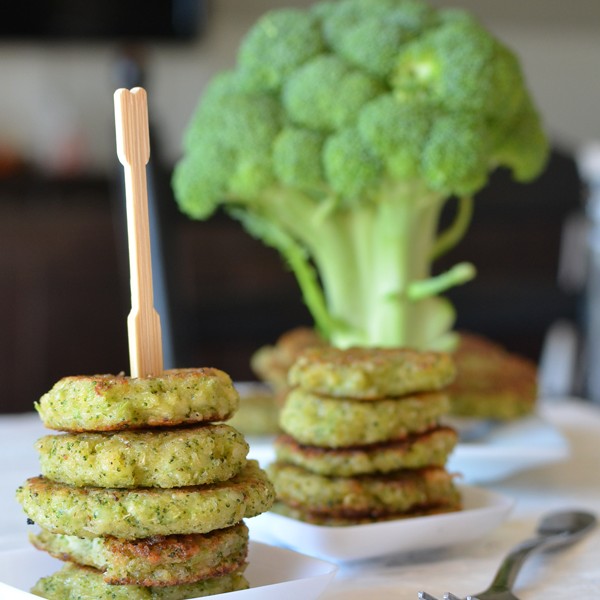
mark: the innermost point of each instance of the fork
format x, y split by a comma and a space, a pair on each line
554, 531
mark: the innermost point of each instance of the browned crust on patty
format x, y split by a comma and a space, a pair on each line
107, 402
363, 495
156, 561
414, 451
398, 444
335, 519
106, 381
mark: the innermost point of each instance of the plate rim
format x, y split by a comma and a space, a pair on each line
325, 570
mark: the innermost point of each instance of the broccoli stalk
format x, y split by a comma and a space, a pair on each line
339, 148
373, 260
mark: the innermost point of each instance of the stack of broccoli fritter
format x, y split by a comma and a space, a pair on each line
362, 437
145, 494
271, 363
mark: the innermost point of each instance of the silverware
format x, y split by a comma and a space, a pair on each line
554, 531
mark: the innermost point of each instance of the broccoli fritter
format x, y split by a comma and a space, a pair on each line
370, 373
315, 518
155, 561
491, 383
418, 450
73, 582
334, 422
162, 458
146, 512
363, 496
271, 363
258, 413
116, 402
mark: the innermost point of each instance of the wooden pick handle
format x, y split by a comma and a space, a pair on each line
133, 150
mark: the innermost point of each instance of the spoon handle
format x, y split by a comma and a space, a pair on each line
511, 565
509, 569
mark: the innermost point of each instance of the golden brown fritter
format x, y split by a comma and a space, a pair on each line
155, 561
272, 363
74, 582
367, 496
258, 413
414, 451
116, 402
146, 512
164, 458
336, 422
491, 382
316, 518
370, 373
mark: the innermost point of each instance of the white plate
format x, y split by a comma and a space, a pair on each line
507, 449
273, 573
483, 511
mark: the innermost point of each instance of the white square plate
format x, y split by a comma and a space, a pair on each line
483, 511
273, 573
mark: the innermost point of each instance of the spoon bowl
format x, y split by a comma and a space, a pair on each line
565, 527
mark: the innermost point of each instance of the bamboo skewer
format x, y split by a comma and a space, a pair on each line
133, 150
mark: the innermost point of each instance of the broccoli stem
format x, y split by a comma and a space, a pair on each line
373, 260
395, 240
401, 230
460, 273
451, 236
298, 261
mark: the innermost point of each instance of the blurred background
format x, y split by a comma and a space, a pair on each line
64, 288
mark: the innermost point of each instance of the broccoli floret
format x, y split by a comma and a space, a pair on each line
351, 170
339, 137
326, 93
276, 46
234, 132
397, 133
200, 180
297, 159
458, 67
368, 34
455, 156
523, 147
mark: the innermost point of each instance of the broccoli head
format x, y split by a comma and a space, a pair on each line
337, 139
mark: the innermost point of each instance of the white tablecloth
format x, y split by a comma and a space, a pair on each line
569, 574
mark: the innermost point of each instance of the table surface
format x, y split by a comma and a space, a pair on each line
572, 483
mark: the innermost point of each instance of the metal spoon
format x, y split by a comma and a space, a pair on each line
554, 531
